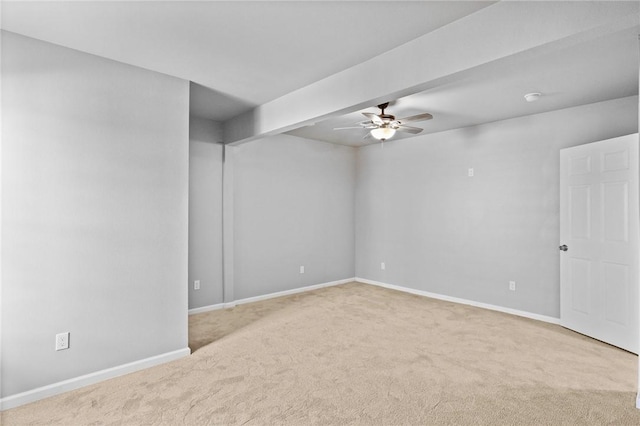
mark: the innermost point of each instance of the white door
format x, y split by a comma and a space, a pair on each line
599, 240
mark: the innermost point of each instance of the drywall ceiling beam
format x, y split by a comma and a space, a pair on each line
501, 31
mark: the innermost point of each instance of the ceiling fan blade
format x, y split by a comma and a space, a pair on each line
345, 128
418, 117
368, 124
409, 129
373, 117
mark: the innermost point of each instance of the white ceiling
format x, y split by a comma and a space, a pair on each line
241, 54
602, 69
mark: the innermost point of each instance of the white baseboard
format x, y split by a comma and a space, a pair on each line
267, 296
638, 400
511, 311
211, 308
16, 400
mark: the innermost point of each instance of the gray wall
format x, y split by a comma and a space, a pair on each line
439, 230
294, 205
94, 213
205, 212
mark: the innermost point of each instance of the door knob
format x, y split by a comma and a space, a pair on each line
563, 247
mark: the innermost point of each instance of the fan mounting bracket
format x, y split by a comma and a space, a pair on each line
383, 106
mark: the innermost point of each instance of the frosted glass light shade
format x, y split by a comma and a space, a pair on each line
383, 133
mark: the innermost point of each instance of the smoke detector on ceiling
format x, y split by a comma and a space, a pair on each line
532, 97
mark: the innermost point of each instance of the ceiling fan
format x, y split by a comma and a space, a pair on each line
384, 126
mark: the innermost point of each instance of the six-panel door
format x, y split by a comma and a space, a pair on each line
599, 225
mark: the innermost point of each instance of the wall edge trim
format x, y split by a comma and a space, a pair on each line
268, 296
511, 311
57, 388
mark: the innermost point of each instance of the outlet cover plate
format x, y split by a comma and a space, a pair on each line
62, 341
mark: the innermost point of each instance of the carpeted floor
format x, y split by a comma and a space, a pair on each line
358, 354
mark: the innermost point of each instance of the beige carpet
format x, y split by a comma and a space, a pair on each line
358, 354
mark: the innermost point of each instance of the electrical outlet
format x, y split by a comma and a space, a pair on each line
512, 285
62, 341
382, 266
470, 172
196, 285
302, 269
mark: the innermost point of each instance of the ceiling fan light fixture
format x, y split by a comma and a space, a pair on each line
383, 133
